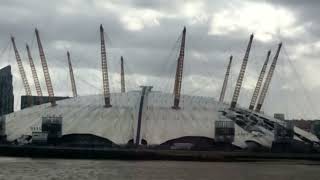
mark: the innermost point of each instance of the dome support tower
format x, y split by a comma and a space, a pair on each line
34, 72
73, 83
123, 83
45, 70
259, 83
179, 72
105, 79
268, 80
241, 75
21, 69
225, 81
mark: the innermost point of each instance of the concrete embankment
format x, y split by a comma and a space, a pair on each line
147, 154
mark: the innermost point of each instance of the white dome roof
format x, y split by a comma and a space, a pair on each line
159, 123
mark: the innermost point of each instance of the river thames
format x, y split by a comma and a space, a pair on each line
38, 169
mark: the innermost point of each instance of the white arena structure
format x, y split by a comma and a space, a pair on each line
153, 118
159, 122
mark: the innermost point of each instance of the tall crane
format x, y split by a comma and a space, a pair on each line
241, 75
21, 69
45, 70
259, 83
123, 83
34, 72
225, 81
104, 64
268, 79
179, 72
73, 82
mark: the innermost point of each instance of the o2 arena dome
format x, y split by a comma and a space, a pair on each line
158, 123
153, 118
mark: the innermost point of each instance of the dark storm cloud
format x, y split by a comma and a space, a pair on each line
307, 13
149, 46
167, 5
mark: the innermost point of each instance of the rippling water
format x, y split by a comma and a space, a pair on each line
37, 169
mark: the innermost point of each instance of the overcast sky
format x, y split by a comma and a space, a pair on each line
146, 33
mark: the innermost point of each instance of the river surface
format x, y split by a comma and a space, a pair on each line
38, 169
